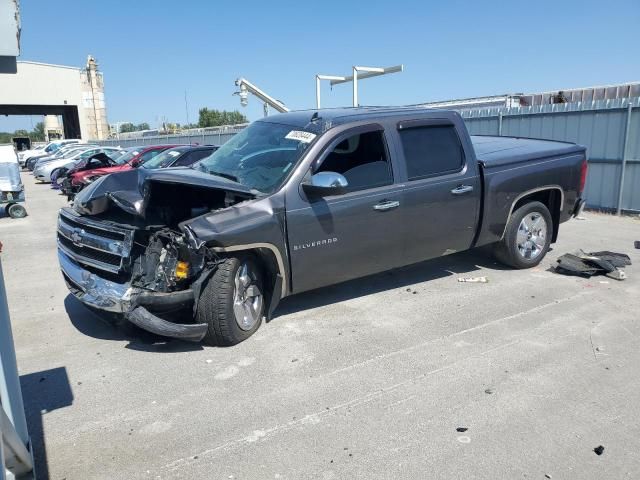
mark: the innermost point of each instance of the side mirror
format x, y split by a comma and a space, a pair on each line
326, 183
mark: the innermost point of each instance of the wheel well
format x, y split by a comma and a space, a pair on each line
552, 199
267, 260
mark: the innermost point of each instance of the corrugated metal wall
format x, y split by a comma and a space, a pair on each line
202, 138
600, 126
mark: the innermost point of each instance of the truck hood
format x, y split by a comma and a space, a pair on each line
131, 190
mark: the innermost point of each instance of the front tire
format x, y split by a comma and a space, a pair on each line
527, 236
232, 301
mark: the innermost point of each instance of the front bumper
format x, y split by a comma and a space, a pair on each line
134, 304
93, 290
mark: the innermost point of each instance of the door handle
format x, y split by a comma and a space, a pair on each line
460, 189
386, 205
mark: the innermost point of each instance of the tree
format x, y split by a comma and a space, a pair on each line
38, 132
143, 126
127, 127
215, 118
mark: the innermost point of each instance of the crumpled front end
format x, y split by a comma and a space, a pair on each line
145, 274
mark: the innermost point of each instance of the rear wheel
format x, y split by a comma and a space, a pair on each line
15, 210
232, 301
527, 237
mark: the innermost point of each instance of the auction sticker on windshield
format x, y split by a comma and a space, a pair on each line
300, 136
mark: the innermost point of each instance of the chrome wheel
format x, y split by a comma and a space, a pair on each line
247, 298
532, 235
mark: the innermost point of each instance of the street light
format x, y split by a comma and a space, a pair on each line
367, 72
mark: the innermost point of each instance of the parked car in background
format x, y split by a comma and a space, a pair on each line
181, 156
302, 200
43, 170
98, 160
50, 147
31, 163
134, 157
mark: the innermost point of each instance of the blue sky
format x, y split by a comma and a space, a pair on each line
151, 52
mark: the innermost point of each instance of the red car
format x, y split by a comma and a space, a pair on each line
134, 157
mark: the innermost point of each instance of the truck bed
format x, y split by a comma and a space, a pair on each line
494, 151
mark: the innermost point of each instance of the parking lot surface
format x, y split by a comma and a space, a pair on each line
372, 379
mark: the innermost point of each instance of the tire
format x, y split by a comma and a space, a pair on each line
15, 210
523, 246
217, 301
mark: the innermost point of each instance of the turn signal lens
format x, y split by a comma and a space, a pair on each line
182, 270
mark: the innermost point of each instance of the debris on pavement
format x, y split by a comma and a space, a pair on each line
636, 243
489, 391
595, 263
473, 280
599, 450
461, 429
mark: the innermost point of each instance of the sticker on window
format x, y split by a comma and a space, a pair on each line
300, 136
173, 153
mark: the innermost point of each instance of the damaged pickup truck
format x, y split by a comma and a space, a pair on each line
302, 200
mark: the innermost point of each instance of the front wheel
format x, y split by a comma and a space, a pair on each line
527, 237
232, 301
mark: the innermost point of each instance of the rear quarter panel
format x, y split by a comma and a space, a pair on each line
505, 185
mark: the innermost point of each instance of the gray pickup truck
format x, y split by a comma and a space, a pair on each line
306, 199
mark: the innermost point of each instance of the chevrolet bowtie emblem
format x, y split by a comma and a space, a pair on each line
76, 236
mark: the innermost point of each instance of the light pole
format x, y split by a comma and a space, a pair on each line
359, 73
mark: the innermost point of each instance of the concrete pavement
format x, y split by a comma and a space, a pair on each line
364, 380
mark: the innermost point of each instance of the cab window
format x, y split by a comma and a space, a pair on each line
362, 159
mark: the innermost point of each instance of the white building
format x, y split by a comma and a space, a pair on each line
77, 94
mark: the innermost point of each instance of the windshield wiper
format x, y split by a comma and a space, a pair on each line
233, 178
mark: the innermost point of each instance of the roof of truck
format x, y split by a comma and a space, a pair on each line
324, 118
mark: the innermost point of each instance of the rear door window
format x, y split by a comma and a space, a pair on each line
192, 157
431, 151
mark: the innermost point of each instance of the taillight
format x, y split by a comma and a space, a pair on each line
583, 176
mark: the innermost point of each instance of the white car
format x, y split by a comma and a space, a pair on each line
43, 172
67, 151
50, 147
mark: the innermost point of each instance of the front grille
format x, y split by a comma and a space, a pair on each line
90, 253
93, 244
102, 232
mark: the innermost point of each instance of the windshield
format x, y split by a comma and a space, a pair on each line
52, 147
115, 154
86, 154
165, 158
127, 156
260, 156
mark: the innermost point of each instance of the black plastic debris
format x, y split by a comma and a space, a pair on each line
599, 450
594, 263
461, 429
